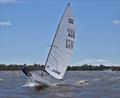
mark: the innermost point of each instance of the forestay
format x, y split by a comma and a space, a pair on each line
62, 46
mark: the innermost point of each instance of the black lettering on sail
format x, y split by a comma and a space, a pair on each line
71, 33
55, 71
69, 44
70, 21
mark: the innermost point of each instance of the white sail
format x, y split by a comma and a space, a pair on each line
62, 46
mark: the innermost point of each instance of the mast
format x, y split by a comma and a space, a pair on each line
54, 38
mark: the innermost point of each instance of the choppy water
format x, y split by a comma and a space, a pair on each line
82, 84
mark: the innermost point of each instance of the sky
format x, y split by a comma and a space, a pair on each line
27, 27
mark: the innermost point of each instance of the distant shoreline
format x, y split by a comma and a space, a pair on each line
85, 67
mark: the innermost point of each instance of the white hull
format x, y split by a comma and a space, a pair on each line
46, 79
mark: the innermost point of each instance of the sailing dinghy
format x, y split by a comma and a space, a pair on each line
60, 51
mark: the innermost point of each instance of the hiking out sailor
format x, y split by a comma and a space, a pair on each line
26, 71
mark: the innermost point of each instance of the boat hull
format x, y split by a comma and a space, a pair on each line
45, 79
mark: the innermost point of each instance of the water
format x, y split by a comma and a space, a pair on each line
81, 84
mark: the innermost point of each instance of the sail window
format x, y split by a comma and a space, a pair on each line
71, 33
70, 21
69, 44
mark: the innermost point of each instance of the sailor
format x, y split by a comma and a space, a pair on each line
26, 71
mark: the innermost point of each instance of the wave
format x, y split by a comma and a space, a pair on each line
81, 82
1, 79
97, 79
72, 82
115, 79
30, 83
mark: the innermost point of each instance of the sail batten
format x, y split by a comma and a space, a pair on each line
62, 46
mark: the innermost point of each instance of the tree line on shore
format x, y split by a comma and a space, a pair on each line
84, 67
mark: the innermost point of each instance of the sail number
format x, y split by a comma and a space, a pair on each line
69, 44
71, 33
70, 21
